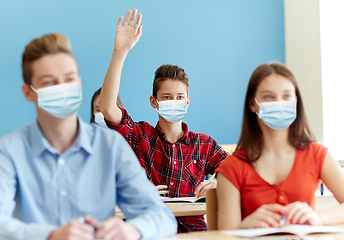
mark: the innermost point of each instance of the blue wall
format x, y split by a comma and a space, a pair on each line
218, 43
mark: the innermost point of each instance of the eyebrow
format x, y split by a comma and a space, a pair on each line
171, 94
50, 76
272, 91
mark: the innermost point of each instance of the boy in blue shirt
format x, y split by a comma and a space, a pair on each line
59, 168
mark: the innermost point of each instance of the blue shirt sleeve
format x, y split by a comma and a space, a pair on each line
11, 228
138, 198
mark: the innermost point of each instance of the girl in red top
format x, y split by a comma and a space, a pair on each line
277, 166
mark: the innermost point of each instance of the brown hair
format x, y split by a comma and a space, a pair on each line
95, 95
169, 71
251, 139
39, 47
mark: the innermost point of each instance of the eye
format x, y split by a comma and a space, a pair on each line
287, 96
48, 82
70, 79
166, 97
267, 97
180, 97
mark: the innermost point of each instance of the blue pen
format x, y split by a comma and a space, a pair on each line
83, 220
282, 221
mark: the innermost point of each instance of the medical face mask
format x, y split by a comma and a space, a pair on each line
172, 110
60, 100
277, 115
99, 119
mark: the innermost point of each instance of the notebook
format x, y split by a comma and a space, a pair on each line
183, 199
299, 230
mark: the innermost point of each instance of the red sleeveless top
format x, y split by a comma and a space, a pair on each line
300, 185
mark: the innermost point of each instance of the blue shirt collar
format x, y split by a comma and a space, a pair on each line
39, 143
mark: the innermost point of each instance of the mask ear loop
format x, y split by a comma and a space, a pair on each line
33, 89
258, 104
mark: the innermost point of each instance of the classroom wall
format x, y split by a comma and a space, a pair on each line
218, 43
303, 57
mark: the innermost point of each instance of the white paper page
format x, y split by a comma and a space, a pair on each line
300, 230
178, 199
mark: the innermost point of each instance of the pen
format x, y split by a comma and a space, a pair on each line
282, 221
208, 179
83, 220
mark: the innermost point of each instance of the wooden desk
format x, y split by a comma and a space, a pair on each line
178, 209
218, 235
187, 209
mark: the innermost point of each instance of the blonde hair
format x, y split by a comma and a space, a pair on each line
39, 47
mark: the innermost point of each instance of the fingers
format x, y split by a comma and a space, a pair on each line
264, 216
91, 220
277, 208
301, 213
138, 21
126, 19
209, 184
119, 22
132, 19
108, 227
79, 230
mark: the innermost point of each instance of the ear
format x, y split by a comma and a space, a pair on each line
188, 101
153, 102
29, 94
254, 107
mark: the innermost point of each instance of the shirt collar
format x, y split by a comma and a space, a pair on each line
39, 143
185, 138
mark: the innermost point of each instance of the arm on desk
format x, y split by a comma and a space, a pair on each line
333, 178
138, 198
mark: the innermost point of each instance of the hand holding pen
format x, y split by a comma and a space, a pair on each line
204, 186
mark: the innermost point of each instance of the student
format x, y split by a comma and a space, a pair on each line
60, 168
170, 153
277, 166
96, 115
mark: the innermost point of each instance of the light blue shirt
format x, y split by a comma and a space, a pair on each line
41, 189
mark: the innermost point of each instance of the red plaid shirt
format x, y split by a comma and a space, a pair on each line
181, 165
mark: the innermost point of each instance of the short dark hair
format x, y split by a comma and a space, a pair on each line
168, 71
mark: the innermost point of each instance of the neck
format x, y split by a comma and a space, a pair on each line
173, 131
59, 132
276, 141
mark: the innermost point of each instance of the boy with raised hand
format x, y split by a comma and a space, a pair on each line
59, 168
170, 153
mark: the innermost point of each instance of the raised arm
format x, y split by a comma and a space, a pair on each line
126, 38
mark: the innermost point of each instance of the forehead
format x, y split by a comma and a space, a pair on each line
53, 64
172, 86
96, 101
275, 83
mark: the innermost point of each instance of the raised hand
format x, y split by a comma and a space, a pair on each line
128, 34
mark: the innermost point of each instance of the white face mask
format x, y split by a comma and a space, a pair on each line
60, 100
172, 110
99, 119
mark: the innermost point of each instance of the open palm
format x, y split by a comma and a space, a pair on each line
128, 34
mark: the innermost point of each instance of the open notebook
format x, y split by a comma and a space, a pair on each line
299, 230
183, 199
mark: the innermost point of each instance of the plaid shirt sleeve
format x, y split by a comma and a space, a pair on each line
216, 156
133, 132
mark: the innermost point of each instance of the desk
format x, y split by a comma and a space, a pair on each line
178, 209
218, 235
